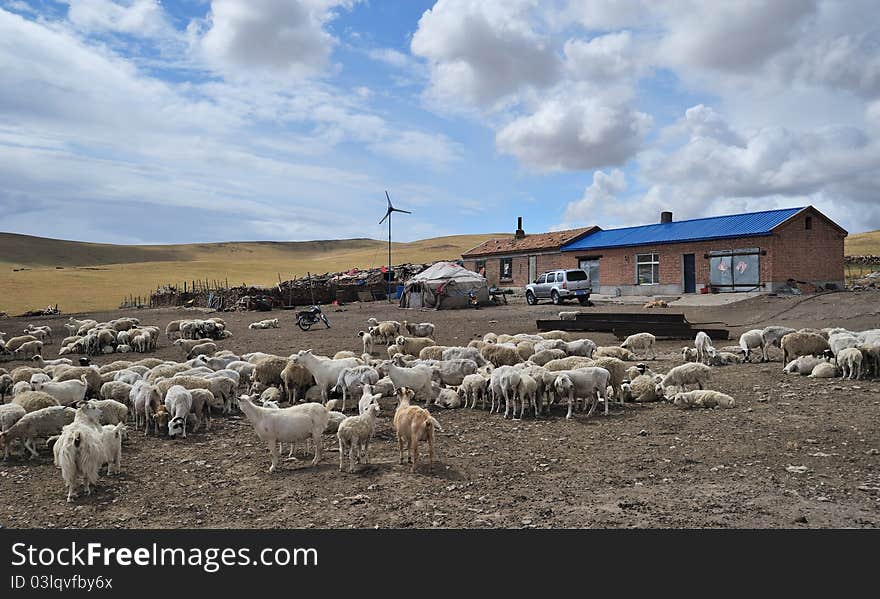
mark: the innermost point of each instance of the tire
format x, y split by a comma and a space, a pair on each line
584, 301
554, 297
531, 299
304, 324
327, 322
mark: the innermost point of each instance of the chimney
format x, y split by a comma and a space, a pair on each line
665, 217
519, 234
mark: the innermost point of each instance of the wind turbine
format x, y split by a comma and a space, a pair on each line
388, 212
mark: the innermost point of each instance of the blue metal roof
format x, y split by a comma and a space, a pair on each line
751, 224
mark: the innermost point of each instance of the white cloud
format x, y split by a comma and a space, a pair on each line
604, 190
83, 131
607, 14
480, 51
419, 147
143, 18
735, 35
574, 134
240, 36
392, 57
605, 58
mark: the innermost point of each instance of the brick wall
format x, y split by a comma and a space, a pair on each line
545, 261
617, 266
814, 255
793, 252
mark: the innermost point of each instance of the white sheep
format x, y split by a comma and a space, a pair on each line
825, 370
472, 388
691, 373
705, 350
447, 398
803, 365
641, 341
368, 341
354, 434
352, 380
641, 389
28, 349
504, 383
80, 451
850, 362
417, 379
528, 394
202, 349
111, 444
178, 402
288, 425
705, 398
9, 414
112, 411
464, 353
44, 422
264, 324
66, 392
38, 378
838, 342
588, 383
422, 329
751, 340
368, 396
326, 372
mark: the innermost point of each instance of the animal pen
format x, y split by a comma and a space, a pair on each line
342, 287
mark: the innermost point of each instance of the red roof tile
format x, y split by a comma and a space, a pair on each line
539, 241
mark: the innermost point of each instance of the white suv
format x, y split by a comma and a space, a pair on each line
560, 285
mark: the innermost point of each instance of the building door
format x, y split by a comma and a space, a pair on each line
690, 273
533, 268
592, 268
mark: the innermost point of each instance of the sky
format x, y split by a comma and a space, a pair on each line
139, 121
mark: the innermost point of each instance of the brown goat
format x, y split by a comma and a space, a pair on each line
413, 424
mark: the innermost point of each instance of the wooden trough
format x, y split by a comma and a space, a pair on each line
624, 324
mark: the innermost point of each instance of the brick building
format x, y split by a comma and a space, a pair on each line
515, 261
739, 252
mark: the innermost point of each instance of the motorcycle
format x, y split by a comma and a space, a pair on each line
306, 318
473, 301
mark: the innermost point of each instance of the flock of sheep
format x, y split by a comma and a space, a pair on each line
84, 410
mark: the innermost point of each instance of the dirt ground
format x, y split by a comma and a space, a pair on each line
642, 466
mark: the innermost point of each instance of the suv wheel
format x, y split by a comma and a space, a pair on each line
531, 299
554, 297
585, 301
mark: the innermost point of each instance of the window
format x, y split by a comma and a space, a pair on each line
480, 267
648, 269
541, 280
808, 223
576, 275
506, 269
551, 278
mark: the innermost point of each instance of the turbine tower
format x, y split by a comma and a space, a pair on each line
387, 216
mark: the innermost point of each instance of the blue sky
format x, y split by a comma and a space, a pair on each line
135, 121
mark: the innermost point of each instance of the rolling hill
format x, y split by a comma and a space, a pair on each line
862, 244
78, 276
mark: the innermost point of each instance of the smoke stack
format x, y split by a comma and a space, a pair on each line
519, 230
666, 217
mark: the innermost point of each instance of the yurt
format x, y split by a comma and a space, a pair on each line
443, 285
